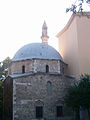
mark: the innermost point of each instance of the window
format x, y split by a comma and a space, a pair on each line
39, 109
23, 69
63, 70
59, 111
47, 68
49, 87
39, 112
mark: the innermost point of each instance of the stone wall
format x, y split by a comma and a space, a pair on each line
8, 99
28, 90
37, 65
40, 66
16, 67
31, 87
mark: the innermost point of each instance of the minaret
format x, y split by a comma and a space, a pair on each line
44, 36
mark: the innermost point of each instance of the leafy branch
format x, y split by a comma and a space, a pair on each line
77, 6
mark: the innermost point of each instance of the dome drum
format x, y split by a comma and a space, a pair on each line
35, 66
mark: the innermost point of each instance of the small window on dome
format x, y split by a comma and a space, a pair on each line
47, 69
23, 69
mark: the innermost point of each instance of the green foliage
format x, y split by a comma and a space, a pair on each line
78, 95
1, 99
84, 89
3, 73
4, 68
71, 97
78, 6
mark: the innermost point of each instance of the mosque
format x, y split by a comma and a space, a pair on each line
39, 78
38, 82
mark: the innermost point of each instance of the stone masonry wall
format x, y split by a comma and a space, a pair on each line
8, 99
34, 65
28, 90
16, 67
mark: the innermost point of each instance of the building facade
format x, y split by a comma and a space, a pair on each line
37, 83
74, 44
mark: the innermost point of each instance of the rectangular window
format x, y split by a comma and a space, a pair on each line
23, 69
39, 112
59, 111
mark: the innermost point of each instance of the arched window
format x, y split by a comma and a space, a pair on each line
47, 68
49, 88
23, 69
63, 70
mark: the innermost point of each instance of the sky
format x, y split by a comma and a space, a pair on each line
21, 22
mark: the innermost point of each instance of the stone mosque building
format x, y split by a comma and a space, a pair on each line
37, 83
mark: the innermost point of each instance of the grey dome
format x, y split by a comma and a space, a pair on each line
36, 50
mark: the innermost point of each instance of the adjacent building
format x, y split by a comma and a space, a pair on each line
74, 44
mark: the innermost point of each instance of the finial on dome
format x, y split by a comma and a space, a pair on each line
44, 36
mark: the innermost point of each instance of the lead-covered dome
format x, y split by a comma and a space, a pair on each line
36, 50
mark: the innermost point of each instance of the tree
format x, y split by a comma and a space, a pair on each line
72, 100
4, 68
1, 99
78, 95
78, 6
3, 73
84, 89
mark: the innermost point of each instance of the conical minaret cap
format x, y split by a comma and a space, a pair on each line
44, 36
44, 25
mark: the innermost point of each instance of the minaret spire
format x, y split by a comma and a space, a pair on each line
44, 36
